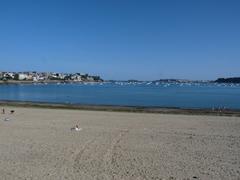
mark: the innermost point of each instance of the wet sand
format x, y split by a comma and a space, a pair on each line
37, 143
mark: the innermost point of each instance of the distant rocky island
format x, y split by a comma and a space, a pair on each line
228, 80
43, 77
219, 80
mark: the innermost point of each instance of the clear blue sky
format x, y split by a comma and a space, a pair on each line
122, 39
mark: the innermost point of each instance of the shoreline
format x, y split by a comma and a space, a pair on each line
132, 109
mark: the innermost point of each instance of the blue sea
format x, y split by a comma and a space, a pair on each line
181, 95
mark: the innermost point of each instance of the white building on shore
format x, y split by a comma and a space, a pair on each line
22, 76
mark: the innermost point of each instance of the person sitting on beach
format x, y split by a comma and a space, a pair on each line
76, 128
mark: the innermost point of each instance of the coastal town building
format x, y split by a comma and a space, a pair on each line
22, 76
48, 76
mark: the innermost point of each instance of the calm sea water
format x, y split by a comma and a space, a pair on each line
196, 95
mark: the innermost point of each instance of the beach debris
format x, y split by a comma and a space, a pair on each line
12, 112
7, 119
76, 128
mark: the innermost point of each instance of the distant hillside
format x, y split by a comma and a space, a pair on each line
228, 80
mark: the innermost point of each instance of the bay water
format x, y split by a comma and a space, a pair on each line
181, 95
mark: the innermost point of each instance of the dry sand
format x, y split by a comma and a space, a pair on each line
38, 144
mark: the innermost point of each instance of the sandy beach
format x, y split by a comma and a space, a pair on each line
37, 143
